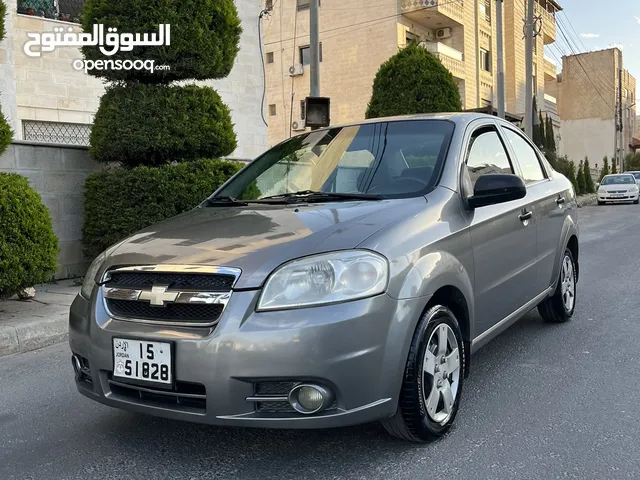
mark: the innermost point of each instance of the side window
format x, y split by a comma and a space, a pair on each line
486, 154
526, 156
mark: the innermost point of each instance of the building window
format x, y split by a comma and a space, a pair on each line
485, 60
56, 132
410, 37
305, 54
485, 9
303, 109
302, 4
272, 110
269, 57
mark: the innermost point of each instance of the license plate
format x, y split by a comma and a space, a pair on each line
142, 361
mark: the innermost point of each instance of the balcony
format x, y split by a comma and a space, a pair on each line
451, 58
550, 69
65, 10
548, 23
434, 13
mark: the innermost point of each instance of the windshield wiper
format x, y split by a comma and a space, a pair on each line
231, 201
314, 195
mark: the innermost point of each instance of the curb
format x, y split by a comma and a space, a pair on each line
585, 200
32, 334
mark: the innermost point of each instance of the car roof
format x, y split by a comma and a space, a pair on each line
459, 118
624, 174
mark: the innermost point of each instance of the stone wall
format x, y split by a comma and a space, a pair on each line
57, 173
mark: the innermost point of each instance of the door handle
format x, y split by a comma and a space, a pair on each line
560, 200
524, 216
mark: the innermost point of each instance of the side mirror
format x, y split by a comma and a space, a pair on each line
493, 188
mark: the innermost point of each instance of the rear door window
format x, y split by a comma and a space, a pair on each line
526, 157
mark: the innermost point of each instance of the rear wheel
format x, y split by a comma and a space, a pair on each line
560, 307
433, 378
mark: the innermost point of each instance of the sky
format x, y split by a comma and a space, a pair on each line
599, 24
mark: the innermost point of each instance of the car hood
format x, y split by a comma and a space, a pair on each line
617, 188
258, 238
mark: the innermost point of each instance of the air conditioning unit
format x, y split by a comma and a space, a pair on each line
296, 70
443, 33
298, 125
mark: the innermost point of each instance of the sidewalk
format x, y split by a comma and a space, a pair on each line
37, 323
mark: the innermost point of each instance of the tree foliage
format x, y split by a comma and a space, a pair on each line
3, 13
205, 36
588, 179
156, 124
28, 247
582, 187
413, 81
119, 202
614, 166
605, 168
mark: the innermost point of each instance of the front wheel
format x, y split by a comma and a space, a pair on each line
636, 202
433, 378
560, 307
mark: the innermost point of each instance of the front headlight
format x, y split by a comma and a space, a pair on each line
90, 277
326, 278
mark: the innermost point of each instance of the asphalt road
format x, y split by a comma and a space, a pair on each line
543, 401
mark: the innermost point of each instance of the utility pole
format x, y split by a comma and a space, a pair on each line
314, 66
528, 119
621, 134
501, 105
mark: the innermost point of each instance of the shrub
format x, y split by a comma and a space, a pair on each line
571, 175
6, 134
155, 124
605, 168
588, 180
413, 81
28, 247
582, 187
614, 166
204, 37
3, 12
632, 162
119, 202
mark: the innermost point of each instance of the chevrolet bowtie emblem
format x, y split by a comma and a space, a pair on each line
158, 296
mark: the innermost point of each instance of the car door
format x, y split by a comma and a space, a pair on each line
503, 235
548, 200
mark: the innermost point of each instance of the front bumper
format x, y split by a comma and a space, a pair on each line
626, 197
357, 349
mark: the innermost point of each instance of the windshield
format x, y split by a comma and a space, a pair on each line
618, 180
390, 159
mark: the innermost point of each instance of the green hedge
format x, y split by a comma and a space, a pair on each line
6, 134
3, 13
156, 124
119, 202
205, 35
28, 247
413, 81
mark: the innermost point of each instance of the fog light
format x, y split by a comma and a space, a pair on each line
309, 399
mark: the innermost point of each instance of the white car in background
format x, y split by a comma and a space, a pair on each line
617, 188
636, 174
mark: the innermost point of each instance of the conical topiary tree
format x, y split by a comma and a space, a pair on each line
413, 81
582, 188
551, 137
588, 180
142, 119
614, 167
6, 134
571, 175
605, 168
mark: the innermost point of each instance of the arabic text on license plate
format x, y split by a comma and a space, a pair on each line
143, 361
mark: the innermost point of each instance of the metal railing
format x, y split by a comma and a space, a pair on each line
65, 10
56, 132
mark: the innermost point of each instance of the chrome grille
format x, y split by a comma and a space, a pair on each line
172, 311
174, 281
180, 295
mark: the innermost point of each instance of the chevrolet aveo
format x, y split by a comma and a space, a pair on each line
345, 276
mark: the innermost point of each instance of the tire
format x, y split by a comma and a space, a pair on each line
636, 202
414, 421
555, 309
600, 203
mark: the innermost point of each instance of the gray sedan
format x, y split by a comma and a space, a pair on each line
345, 276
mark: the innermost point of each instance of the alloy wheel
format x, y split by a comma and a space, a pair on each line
568, 284
441, 373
